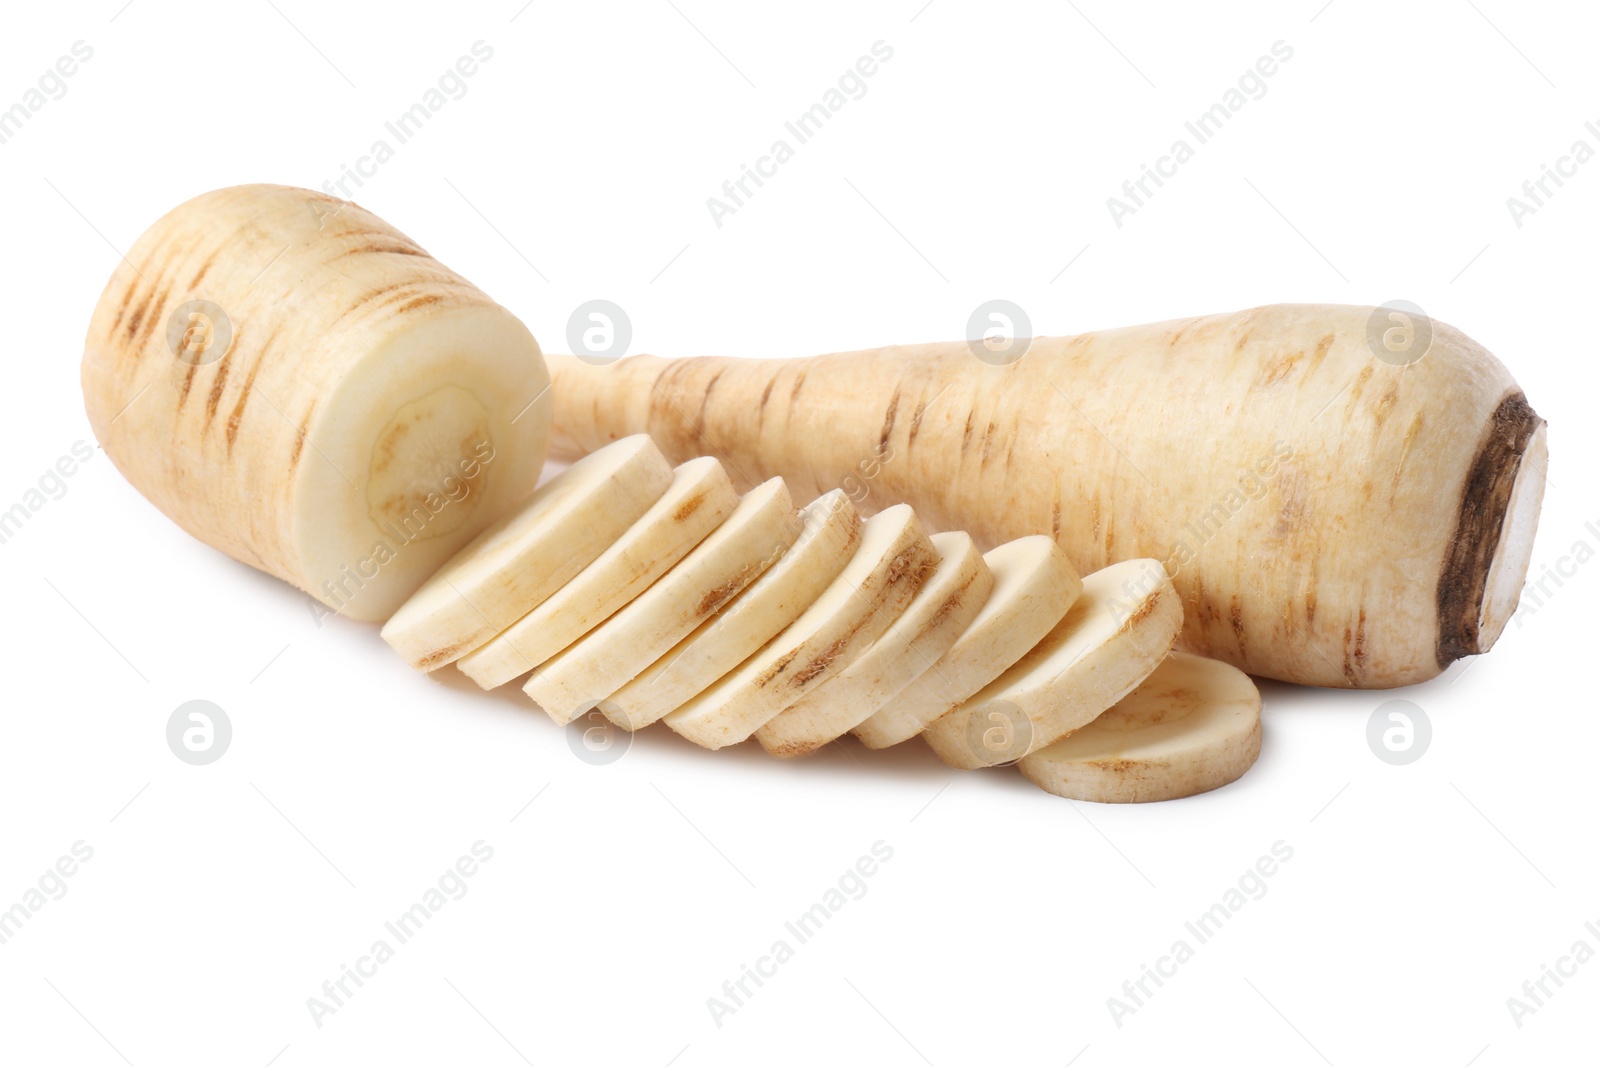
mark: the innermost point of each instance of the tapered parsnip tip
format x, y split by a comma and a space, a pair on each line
1193, 725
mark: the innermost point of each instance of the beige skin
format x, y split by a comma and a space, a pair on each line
1193, 725
356, 413
1327, 517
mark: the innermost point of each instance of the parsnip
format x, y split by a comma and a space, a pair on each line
1328, 516
1193, 725
698, 499
894, 559
1112, 637
950, 598
299, 385
764, 525
1034, 585
829, 535
512, 567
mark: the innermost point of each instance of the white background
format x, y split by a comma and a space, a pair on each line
219, 898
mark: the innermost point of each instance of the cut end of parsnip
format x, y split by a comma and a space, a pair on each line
516, 564
1193, 725
1508, 567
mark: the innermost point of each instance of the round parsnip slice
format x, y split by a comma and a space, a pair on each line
894, 560
1110, 640
951, 597
829, 532
730, 558
1034, 585
1193, 725
511, 567
698, 499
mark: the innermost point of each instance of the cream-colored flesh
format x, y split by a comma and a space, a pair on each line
698, 499
1034, 585
717, 570
1192, 726
949, 600
513, 566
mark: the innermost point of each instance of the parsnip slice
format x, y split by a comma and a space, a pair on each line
1110, 640
1034, 585
894, 560
698, 499
511, 567
951, 597
730, 558
1192, 726
830, 530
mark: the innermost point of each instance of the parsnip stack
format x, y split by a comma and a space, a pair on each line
729, 619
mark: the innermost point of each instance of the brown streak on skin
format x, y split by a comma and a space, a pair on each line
1275, 371
1236, 620
794, 393
689, 507
946, 606
705, 398
217, 385
183, 391
916, 424
1055, 515
766, 394
418, 302
966, 434
1405, 453
1311, 606
888, 421
715, 598
1320, 354
438, 657
205, 268
127, 298
988, 440
822, 662
300, 438
1140, 613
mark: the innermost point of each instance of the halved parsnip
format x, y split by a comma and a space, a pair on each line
829, 531
730, 558
894, 560
1193, 725
698, 499
952, 596
300, 385
1110, 640
511, 567
1034, 585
